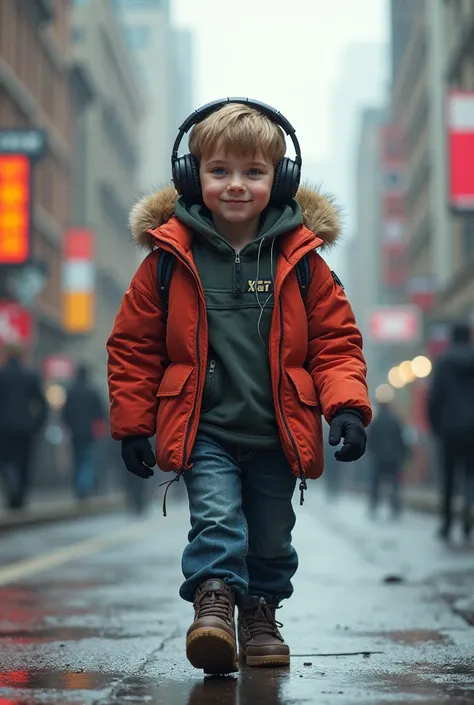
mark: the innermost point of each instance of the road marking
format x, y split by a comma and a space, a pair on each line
30, 566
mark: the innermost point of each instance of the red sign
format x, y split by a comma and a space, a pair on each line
461, 149
439, 335
60, 367
79, 244
15, 323
14, 208
423, 292
394, 324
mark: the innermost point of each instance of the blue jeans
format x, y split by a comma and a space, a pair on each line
241, 520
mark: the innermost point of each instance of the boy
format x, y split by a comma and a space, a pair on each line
234, 371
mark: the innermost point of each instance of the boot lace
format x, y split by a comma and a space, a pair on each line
212, 603
260, 619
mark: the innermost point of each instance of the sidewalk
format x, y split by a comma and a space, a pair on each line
49, 506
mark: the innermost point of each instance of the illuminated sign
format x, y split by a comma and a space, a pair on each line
394, 324
27, 141
461, 149
78, 280
15, 188
15, 324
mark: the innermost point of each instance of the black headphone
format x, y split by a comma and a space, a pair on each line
185, 169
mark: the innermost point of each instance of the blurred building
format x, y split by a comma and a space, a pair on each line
457, 298
151, 41
183, 81
363, 279
433, 55
108, 145
411, 111
362, 81
35, 92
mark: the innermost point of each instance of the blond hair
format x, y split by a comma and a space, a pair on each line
240, 130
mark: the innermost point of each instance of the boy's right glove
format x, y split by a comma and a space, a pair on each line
138, 456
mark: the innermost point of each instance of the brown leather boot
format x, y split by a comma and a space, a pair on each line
260, 642
210, 641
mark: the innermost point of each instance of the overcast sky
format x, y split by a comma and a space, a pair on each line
293, 54
286, 53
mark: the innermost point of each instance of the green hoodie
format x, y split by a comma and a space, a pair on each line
238, 400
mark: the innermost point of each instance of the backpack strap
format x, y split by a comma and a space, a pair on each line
166, 264
303, 275
164, 272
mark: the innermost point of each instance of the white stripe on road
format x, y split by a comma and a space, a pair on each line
30, 566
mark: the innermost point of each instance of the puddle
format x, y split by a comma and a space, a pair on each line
414, 637
63, 634
56, 680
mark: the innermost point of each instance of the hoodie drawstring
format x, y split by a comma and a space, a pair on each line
168, 484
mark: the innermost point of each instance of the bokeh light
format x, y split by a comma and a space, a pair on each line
384, 394
395, 379
421, 366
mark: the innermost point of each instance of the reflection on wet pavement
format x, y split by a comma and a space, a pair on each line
110, 630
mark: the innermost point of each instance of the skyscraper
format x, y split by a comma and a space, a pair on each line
150, 39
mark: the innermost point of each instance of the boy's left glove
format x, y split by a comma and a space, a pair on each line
349, 426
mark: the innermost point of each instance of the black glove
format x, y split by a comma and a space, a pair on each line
349, 426
138, 456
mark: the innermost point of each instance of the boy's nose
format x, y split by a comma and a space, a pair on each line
235, 184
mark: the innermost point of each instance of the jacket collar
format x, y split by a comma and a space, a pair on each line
152, 221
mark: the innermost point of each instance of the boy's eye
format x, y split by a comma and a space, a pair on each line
255, 172
218, 171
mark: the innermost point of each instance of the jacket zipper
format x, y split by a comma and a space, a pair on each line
198, 357
238, 282
303, 485
212, 369
198, 352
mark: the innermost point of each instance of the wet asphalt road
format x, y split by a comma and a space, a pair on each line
89, 614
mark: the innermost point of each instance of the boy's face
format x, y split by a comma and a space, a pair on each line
236, 188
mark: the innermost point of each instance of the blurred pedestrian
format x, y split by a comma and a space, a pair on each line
84, 416
388, 452
451, 415
232, 365
23, 412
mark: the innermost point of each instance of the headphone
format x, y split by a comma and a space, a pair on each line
185, 169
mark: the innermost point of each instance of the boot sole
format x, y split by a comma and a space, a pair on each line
212, 650
265, 661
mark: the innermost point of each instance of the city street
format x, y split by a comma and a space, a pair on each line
90, 614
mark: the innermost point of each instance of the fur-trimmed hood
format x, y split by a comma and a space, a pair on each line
320, 214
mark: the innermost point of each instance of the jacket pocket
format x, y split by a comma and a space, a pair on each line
304, 385
174, 379
304, 419
176, 397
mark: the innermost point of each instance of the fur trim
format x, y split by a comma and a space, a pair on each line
320, 214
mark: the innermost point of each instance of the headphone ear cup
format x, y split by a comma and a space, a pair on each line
285, 182
177, 174
193, 166
186, 178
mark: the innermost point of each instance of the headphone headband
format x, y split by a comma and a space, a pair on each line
202, 113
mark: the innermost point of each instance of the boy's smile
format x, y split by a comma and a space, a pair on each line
236, 189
